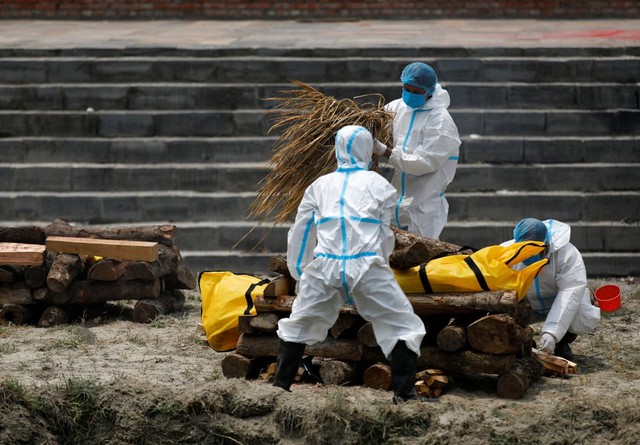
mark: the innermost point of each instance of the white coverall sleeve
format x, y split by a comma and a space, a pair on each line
301, 239
435, 149
387, 238
571, 280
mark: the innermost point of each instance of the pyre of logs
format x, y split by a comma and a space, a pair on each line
66, 284
469, 334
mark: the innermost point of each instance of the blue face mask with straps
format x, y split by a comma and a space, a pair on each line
413, 100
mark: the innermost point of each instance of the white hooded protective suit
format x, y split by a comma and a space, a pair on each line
425, 156
560, 291
338, 249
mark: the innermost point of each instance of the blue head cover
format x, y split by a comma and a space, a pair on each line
420, 75
531, 229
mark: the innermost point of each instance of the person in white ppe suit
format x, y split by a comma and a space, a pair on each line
338, 250
559, 294
425, 151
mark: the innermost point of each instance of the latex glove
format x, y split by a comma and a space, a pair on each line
379, 148
547, 343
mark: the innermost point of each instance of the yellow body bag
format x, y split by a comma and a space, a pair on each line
485, 270
226, 296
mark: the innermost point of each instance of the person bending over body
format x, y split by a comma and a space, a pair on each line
559, 294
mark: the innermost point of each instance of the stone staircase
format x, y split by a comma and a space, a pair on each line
157, 135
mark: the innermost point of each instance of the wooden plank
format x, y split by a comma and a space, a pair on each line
23, 254
554, 364
119, 249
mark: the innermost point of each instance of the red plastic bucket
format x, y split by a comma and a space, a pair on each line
608, 297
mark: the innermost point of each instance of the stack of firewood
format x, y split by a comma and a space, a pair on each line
48, 275
483, 333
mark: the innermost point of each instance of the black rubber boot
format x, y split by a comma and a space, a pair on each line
403, 373
287, 364
562, 347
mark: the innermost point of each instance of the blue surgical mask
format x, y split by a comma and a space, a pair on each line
413, 100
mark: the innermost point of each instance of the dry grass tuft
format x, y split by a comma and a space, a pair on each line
309, 121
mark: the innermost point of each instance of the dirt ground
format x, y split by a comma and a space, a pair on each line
107, 380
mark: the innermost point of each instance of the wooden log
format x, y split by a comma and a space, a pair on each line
88, 292
267, 323
336, 372
36, 276
377, 376
278, 264
16, 293
452, 337
163, 234
53, 316
22, 235
148, 309
366, 335
166, 263
423, 304
277, 287
410, 256
260, 345
343, 324
454, 304
514, 384
6, 275
434, 324
464, 362
64, 269
244, 324
236, 366
107, 270
181, 278
430, 249
117, 249
23, 254
17, 314
498, 334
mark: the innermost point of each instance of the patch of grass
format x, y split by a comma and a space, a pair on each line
12, 391
5, 331
341, 416
213, 376
136, 339
73, 336
169, 409
7, 348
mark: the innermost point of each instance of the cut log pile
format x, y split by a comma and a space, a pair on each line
49, 275
484, 333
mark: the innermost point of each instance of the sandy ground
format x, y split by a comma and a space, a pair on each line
106, 379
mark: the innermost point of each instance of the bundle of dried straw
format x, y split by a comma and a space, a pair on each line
304, 150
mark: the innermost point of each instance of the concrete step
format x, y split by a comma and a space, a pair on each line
548, 150
153, 150
598, 264
410, 52
187, 206
246, 177
245, 236
216, 123
331, 67
193, 96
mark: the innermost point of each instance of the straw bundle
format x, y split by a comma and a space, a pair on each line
304, 151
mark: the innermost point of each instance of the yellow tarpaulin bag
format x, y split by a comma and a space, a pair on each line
485, 270
226, 296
